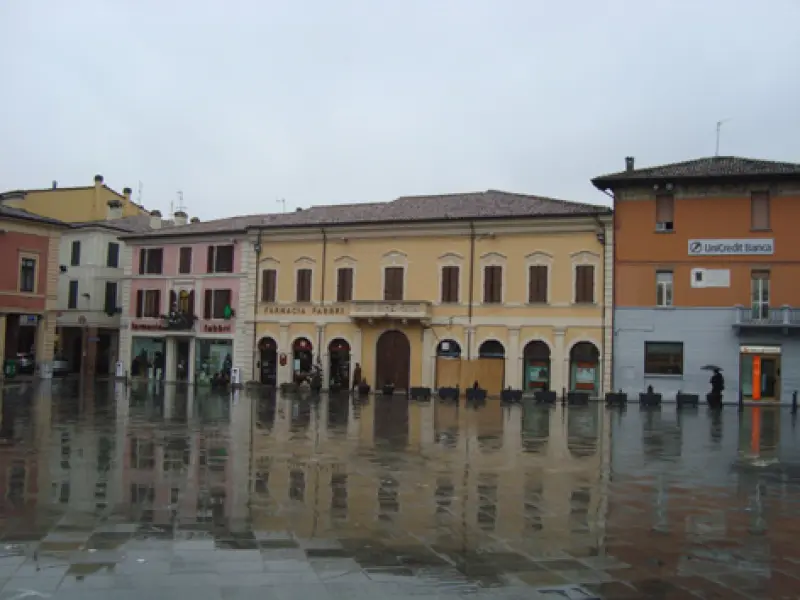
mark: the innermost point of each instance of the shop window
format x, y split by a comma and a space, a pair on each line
584, 284
665, 212
269, 285
393, 283
185, 260
213, 358
759, 211
112, 255
663, 358
27, 274
220, 259
450, 281
664, 288
217, 304
143, 454
344, 284
493, 284
304, 285
151, 261
537, 284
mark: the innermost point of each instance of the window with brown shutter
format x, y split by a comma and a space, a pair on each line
344, 284
269, 285
759, 210
152, 303
537, 284
665, 212
493, 284
450, 276
393, 284
185, 262
584, 284
304, 285
207, 301
139, 303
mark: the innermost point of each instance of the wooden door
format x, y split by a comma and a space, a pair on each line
392, 360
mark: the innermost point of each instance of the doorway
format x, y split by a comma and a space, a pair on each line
760, 373
182, 358
393, 360
339, 363
268, 350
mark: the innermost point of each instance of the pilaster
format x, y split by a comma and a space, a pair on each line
284, 371
356, 357
559, 362
243, 341
513, 377
428, 352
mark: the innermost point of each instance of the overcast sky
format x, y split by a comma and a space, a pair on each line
238, 103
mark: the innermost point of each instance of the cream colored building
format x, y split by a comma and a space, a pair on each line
506, 289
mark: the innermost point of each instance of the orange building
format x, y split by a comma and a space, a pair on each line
707, 271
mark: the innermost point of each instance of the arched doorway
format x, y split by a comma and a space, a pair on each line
490, 368
448, 363
393, 360
584, 371
302, 359
339, 362
268, 351
536, 372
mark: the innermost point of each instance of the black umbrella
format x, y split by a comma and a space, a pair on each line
710, 368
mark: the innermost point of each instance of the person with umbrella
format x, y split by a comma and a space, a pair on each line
717, 385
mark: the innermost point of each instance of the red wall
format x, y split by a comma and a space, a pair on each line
11, 245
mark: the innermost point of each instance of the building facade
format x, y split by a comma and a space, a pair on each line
28, 286
181, 300
503, 289
706, 274
73, 204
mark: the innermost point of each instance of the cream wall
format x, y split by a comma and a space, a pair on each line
560, 244
74, 205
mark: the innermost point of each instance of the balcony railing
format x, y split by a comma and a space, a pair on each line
782, 317
373, 309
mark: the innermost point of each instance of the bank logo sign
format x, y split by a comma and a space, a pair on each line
754, 247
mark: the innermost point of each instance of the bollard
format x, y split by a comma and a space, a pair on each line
741, 401
794, 402
563, 395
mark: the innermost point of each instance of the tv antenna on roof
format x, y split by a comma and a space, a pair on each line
181, 207
719, 129
282, 201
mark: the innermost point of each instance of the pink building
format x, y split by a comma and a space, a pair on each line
181, 302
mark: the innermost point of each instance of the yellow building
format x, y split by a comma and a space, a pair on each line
72, 204
504, 289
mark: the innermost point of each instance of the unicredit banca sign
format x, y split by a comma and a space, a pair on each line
754, 247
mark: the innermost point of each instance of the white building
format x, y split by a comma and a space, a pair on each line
92, 260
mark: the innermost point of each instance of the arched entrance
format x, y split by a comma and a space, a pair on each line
339, 362
448, 364
268, 356
302, 359
584, 371
393, 360
536, 373
490, 368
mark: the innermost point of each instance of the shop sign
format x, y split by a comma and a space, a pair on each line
737, 247
760, 350
157, 326
217, 327
28, 320
304, 310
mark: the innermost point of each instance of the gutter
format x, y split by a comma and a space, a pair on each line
613, 292
255, 306
322, 291
471, 287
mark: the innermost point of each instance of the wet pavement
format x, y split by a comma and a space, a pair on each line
157, 492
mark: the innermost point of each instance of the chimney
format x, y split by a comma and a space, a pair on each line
114, 209
195, 220
155, 219
55, 184
127, 193
97, 205
629, 162
180, 218
98, 180
298, 209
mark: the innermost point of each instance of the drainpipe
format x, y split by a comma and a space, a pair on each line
255, 304
322, 292
613, 288
603, 303
471, 286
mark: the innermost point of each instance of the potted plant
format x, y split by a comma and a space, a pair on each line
476, 394
545, 396
420, 393
449, 393
388, 389
578, 398
650, 398
511, 396
619, 398
682, 399
363, 388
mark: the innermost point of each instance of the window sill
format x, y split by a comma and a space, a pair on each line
665, 307
537, 304
584, 304
664, 231
662, 376
767, 230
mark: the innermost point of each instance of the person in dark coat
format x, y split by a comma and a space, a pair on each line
717, 386
356, 377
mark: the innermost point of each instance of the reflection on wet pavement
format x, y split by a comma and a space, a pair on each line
109, 492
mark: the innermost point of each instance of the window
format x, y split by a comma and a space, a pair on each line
493, 284
665, 212
304, 285
72, 298
148, 303
269, 285
537, 284
584, 284
151, 261
663, 358
759, 297
216, 301
759, 211
111, 297
75, 258
27, 275
344, 284
220, 259
143, 454
393, 283
450, 277
185, 260
664, 288
112, 256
